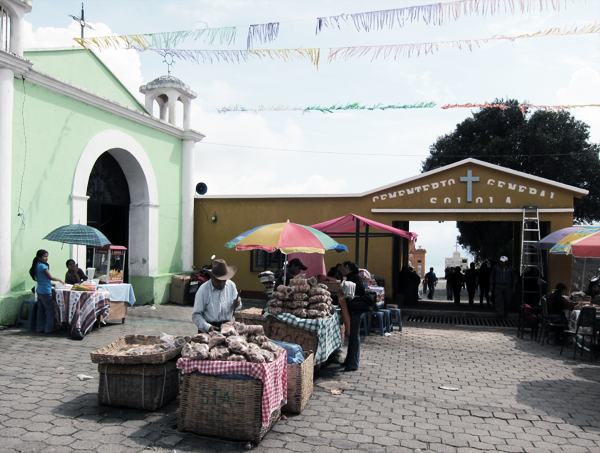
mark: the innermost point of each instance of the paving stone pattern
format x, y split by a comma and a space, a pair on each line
513, 396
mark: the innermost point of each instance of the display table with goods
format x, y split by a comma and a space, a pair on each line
304, 315
234, 384
378, 293
139, 371
586, 339
80, 309
252, 316
121, 295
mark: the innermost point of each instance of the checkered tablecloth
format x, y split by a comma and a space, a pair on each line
273, 375
80, 308
327, 329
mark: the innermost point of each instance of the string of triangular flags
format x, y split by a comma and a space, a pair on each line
435, 14
418, 105
393, 51
262, 33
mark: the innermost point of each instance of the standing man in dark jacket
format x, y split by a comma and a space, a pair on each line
484, 284
431, 280
448, 278
471, 277
503, 283
457, 281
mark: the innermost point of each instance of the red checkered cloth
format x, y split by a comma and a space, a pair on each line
273, 375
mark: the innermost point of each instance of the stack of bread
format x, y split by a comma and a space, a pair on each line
303, 298
236, 342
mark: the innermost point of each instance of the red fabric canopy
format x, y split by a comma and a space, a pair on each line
347, 224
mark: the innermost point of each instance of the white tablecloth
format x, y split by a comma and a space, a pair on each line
120, 292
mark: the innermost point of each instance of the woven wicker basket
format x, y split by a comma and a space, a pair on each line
224, 408
334, 287
252, 317
300, 384
144, 386
111, 353
280, 331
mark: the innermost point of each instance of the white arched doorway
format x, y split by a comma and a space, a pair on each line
143, 209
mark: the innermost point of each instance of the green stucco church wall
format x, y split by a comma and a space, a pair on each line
50, 131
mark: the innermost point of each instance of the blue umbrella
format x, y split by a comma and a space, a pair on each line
79, 235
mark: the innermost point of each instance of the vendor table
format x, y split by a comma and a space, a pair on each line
273, 375
121, 294
380, 294
586, 330
81, 308
327, 329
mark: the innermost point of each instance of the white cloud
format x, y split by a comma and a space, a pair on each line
584, 88
124, 64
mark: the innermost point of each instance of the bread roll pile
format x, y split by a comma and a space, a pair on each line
304, 298
235, 342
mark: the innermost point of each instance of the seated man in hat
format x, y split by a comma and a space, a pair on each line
293, 268
217, 299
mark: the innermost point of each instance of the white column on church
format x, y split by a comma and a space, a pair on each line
6, 119
187, 205
172, 110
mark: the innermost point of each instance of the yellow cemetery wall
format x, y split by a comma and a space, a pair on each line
434, 196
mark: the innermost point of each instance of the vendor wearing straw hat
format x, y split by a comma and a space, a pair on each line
217, 299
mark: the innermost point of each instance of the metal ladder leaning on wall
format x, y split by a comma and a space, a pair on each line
532, 267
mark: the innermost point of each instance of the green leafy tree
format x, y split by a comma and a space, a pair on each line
551, 145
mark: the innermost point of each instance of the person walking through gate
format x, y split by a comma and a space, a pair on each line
456, 281
412, 291
503, 284
484, 284
431, 280
448, 278
471, 277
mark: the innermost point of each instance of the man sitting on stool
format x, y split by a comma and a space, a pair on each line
217, 299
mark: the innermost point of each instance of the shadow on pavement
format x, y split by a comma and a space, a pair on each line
568, 399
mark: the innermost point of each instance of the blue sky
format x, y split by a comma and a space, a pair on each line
351, 151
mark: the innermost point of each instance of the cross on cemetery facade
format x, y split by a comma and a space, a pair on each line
469, 179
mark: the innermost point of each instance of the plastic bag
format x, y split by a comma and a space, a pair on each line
294, 351
166, 337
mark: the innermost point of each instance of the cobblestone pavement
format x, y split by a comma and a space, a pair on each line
513, 395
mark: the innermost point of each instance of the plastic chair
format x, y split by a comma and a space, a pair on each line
586, 327
378, 316
398, 321
525, 324
545, 322
31, 313
388, 318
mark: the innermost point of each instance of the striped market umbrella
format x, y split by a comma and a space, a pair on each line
287, 237
582, 243
79, 235
554, 238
